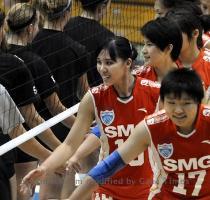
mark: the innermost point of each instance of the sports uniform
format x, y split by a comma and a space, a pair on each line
9, 118
43, 80
18, 81
202, 67
183, 159
148, 72
206, 38
67, 61
116, 118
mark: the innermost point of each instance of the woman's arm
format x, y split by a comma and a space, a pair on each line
32, 119
69, 146
32, 146
90, 144
55, 107
137, 142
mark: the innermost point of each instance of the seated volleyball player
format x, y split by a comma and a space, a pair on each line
178, 138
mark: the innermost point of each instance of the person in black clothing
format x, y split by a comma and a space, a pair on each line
67, 60
87, 30
23, 22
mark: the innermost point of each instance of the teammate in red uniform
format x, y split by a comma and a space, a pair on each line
179, 141
117, 105
162, 46
192, 54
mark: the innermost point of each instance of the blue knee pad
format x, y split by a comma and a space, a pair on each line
107, 167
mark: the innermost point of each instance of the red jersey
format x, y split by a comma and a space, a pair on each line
148, 72
202, 67
206, 38
183, 160
117, 118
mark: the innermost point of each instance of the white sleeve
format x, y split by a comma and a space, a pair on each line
10, 116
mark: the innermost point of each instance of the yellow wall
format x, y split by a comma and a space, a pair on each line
126, 19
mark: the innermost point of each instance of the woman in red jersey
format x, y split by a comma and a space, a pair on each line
117, 105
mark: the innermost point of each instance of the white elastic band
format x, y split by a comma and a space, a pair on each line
38, 129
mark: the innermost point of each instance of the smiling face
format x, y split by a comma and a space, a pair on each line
182, 111
112, 72
153, 56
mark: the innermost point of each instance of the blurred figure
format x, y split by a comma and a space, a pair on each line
87, 30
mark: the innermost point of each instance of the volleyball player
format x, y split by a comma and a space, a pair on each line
171, 134
23, 22
117, 106
68, 62
87, 30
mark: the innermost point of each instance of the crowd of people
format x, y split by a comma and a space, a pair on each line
141, 132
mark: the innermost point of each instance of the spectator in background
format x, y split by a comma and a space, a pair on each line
87, 30
161, 7
205, 6
68, 62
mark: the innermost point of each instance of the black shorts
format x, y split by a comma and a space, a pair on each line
8, 158
5, 193
22, 157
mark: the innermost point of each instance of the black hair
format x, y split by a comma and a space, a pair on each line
170, 4
91, 5
162, 32
189, 21
118, 47
181, 81
2, 17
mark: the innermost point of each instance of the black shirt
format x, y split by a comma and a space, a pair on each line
89, 33
66, 59
43, 78
17, 79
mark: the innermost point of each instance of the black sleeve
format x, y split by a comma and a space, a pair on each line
83, 61
43, 78
20, 83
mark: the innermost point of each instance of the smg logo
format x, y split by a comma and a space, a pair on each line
119, 131
183, 165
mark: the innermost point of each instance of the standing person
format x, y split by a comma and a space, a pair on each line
68, 62
119, 96
162, 46
23, 22
192, 53
11, 127
20, 85
161, 7
87, 30
184, 171
205, 6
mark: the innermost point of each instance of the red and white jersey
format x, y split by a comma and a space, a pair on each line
206, 38
117, 118
148, 72
202, 67
183, 160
